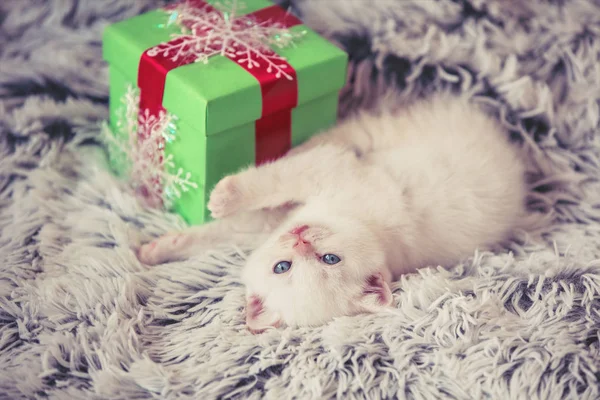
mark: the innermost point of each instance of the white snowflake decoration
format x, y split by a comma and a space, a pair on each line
218, 30
138, 145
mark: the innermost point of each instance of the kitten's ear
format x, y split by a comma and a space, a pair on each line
376, 294
258, 317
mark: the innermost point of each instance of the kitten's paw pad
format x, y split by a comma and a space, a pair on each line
225, 198
164, 249
147, 253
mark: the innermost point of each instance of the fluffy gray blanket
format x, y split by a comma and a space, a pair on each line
80, 318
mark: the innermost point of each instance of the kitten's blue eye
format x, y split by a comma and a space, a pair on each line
282, 267
330, 259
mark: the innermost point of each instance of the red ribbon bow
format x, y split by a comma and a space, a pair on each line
279, 95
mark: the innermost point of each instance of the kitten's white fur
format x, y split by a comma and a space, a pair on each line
387, 193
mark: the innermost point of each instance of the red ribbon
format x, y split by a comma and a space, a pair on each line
279, 95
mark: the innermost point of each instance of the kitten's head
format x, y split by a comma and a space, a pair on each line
312, 270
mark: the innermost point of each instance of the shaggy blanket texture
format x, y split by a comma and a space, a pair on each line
80, 318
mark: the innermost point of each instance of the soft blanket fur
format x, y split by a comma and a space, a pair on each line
80, 318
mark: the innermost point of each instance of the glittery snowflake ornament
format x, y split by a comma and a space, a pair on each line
137, 146
210, 30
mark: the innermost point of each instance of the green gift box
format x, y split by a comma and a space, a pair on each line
230, 114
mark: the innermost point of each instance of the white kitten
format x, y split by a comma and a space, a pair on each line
352, 209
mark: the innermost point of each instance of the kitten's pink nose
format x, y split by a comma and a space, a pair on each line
303, 247
299, 230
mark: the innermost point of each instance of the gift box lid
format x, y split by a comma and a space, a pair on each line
221, 94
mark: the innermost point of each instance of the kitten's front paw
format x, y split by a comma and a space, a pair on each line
164, 249
225, 198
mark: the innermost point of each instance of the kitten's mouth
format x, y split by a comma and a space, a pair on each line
301, 244
299, 230
296, 237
